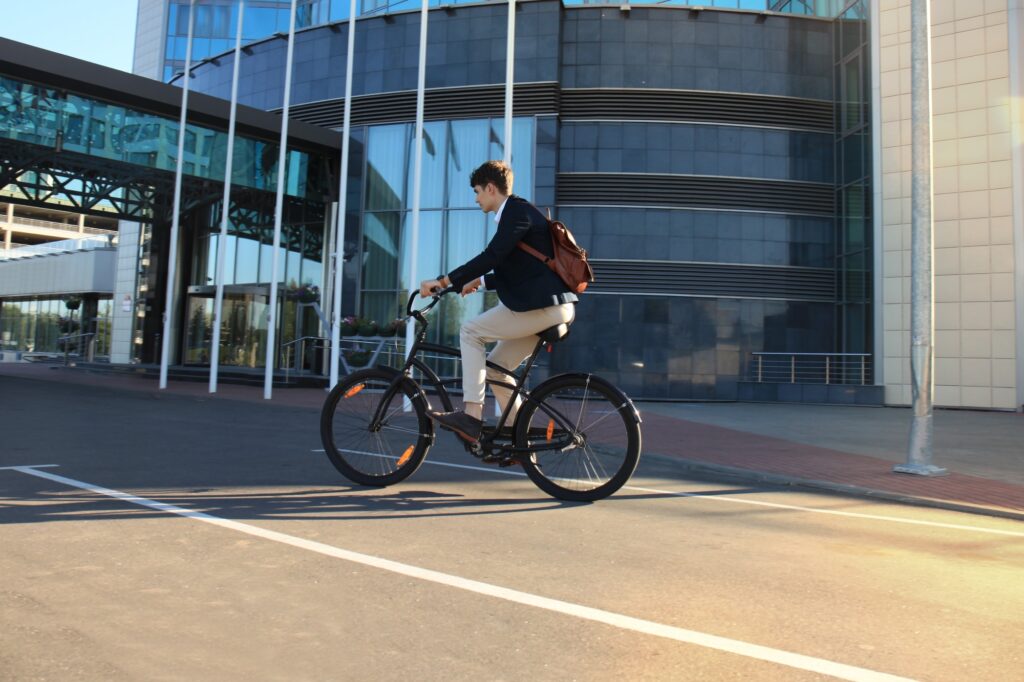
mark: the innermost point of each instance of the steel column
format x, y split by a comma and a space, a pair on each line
172, 255
919, 452
510, 62
339, 234
414, 235
282, 170
218, 300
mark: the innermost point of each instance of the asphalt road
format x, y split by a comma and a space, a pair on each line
266, 565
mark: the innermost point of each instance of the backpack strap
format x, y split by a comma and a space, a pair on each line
533, 252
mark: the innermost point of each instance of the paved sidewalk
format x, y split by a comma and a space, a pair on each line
845, 449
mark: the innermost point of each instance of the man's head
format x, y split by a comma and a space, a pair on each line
491, 183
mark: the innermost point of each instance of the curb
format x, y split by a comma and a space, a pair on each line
720, 471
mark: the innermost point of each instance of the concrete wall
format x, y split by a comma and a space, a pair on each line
56, 274
150, 35
977, 233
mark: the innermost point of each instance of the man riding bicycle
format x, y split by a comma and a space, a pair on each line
531, 297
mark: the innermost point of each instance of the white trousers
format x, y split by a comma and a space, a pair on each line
516, 334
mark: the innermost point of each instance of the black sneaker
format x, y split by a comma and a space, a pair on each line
466, 427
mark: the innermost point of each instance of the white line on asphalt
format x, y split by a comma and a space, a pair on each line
733, 646
777, 505
31, 466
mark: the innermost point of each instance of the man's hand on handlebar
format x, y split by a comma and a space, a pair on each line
472, 286
429, 287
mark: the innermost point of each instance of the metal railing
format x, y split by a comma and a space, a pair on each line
811, 368
54, 225
58, 247
295, 352
87, 339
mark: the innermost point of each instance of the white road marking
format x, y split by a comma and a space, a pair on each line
733, 646
778, 505
34, 466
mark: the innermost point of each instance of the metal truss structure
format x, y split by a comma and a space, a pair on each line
40, 176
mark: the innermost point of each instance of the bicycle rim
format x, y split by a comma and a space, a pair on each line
606, 446
370, 454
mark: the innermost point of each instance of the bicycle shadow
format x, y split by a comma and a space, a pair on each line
316, 504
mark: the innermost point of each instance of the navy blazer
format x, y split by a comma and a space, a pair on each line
522, 281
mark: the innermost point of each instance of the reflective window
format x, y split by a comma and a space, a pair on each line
35, 114
37, 326
451, 229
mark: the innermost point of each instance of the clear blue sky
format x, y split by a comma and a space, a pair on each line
100, 31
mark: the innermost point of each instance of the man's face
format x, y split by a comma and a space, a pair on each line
487, 197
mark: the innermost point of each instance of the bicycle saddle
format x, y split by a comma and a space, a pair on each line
553, 334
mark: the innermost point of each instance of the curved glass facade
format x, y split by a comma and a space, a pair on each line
215, 21
695, 154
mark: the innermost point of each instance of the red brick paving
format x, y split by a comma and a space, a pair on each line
715, 445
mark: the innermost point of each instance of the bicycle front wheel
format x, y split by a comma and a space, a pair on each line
591, 430
376, 433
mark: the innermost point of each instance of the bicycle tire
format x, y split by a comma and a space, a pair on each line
609, 428
384, 456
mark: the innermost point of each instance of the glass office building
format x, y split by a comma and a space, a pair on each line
696, 151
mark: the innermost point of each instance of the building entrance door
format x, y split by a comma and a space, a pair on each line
243, 332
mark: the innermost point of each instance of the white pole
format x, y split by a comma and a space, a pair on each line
282, 160
414, 234
218, 301
172, 254
1015, 18
510, 63
339, 228
919, 452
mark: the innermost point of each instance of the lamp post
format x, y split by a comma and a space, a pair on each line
919, 452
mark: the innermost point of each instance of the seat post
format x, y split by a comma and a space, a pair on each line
533, 358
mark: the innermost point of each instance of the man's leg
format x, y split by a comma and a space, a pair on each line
509, 354
491, 325
516, 334
497, 324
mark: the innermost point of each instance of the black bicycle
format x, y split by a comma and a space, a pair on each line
576, 435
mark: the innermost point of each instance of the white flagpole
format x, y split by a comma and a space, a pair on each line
282, 160
339, 228
218, 304
414, 235
510, 62
172, 254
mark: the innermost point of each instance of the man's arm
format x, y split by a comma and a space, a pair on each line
515, 223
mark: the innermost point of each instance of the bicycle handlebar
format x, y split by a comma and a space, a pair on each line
418, 314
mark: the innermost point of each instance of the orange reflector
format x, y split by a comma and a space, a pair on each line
406, 455
355, 389
551, 428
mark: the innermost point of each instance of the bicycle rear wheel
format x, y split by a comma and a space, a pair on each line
603, 429
368, 434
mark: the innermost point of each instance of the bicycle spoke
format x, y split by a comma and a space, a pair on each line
368, 451
609, 439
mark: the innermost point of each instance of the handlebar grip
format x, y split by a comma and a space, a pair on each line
437, 296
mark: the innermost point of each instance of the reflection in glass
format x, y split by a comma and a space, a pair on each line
387, 167
447, 238
469, 145
428, 260
33, 114
381, 234
243, 329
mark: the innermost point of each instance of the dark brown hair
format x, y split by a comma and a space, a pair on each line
494, 172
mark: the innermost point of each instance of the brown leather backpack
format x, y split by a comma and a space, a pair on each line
570, 260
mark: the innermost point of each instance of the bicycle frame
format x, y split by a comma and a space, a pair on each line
518, 388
